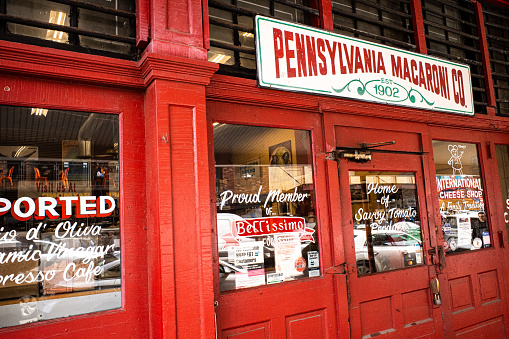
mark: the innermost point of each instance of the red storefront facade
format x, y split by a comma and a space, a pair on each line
176, 163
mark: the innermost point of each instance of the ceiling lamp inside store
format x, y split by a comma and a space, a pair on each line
219, 58
57, 18
39, 111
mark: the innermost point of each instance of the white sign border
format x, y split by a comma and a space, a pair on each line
263, 84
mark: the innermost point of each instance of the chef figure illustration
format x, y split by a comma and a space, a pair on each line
455, 161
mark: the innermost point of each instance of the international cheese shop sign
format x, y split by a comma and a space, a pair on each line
300, 58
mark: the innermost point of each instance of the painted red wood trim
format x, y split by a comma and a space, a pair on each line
159, 66
36, 61
142, 24
418, 24
231, 89
43, 62
481, 31
206, 29
326, 16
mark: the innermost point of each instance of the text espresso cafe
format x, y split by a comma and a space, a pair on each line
56, 258
84, 206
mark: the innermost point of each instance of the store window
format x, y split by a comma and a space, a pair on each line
460, 196
59, 214
92, 26
232, 32
386, 222
503, 172
266, 214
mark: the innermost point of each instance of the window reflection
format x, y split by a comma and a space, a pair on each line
59, 214
503, 173
265, 206
461, 196
386, 223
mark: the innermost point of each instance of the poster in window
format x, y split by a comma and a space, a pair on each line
281, 154
249, 257
288, 254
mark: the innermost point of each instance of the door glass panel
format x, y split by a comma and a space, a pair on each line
461, 196
386, 223
265, 206
503, 173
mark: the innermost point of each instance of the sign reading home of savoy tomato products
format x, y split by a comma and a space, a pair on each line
300, 58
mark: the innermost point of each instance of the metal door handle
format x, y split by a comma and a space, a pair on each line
441, 257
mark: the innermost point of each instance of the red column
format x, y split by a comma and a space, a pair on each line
326, 16
418, 24
181, 296
176, 28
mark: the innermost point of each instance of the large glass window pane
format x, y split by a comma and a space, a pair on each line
59, 214
266, 216
503, 172
461, 196
386, 222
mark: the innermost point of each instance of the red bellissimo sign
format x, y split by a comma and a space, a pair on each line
300, 58
251, 228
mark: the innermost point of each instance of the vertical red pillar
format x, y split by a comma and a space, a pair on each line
326, 16
176, 28
181, 292
418, 24
175, 72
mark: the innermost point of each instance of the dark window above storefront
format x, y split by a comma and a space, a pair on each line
497, 35
387, 22
92, 26
232, 33
451, 33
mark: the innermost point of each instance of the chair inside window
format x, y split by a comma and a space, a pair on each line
8, 177
63, 179
38, 177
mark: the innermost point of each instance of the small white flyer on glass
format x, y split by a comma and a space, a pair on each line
464, 232
288, 253
250, 257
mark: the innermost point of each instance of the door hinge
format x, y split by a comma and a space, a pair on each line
332, 155
342, 269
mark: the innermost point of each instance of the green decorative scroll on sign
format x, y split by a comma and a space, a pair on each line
385, 89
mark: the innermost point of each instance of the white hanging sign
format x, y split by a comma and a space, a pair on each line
295, 57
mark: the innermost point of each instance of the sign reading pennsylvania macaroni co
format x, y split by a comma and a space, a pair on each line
300, 58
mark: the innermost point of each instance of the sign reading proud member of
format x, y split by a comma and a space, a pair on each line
300, 58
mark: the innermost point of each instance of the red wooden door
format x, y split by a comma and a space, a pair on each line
386, 234
301, 308
474, 281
